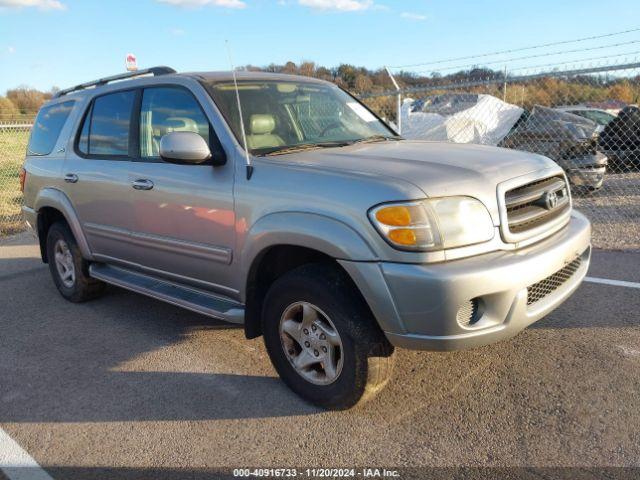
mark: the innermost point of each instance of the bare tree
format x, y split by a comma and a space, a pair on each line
308, 69
27, 100
7, 108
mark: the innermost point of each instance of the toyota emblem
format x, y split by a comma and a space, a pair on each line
551, 200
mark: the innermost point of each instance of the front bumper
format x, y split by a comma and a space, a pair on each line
587, 171
417, 305
30, 217
590, 178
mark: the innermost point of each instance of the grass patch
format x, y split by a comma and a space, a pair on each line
13, 145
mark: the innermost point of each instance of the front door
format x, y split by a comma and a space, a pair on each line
183, 216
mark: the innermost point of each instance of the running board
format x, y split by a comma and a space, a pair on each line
185, 297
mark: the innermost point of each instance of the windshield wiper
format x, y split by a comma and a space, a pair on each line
312, 146
375, 138
302, 147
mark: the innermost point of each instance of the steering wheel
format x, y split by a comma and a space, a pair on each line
330, 127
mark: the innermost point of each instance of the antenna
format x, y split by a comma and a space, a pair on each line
244, 135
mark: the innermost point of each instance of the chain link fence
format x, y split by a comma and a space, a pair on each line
14, 134
584, 119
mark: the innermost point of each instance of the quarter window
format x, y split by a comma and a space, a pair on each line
106, 127
47, 128
165, 110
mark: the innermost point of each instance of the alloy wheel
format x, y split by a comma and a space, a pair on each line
64, 263
311, 343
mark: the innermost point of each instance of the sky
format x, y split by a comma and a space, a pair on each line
46, 43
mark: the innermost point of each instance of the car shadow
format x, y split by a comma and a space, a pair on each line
65, 362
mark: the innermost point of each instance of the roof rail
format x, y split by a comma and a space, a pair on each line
155, 71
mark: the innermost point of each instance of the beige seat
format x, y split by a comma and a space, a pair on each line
181, 124
171, 124
261, 134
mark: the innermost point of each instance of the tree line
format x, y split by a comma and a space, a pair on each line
22, 102
550, 90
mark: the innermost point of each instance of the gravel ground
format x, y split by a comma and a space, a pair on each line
614, 212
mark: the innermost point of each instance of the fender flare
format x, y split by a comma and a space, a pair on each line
301, 229
54, 198
314, 231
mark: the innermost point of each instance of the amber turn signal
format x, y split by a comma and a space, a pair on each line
403, 236
396, 216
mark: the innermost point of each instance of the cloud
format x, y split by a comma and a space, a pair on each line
338, 5
413, 16
11, 50
176, 32
202, 3
41, 4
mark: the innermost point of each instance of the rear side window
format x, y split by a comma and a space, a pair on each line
106, 127
47, 128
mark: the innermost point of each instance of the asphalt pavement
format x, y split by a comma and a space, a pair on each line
129, 387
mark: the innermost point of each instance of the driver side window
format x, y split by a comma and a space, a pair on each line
165, 110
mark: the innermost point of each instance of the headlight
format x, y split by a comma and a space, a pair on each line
433, 224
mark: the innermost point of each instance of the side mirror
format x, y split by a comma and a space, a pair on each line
184, 147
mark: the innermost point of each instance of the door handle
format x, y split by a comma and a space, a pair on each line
71, 178
142, 184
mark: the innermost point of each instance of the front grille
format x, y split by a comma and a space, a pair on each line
536, 203
543, 288
468, 313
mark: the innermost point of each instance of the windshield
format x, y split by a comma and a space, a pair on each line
546, 122
281, 116
601, 118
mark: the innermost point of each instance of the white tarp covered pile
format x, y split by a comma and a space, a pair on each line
459, 118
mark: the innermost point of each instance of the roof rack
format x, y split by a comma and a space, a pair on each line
155, 71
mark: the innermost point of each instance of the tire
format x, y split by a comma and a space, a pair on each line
78, 286
364, 357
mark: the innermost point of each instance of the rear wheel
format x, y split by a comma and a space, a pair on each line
322, 338
69, 270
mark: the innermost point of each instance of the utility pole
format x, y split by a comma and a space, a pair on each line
399, 100
504, 93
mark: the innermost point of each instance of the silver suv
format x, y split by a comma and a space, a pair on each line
331, 236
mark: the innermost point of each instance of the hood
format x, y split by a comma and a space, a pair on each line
438, 169
586, 160
544, 120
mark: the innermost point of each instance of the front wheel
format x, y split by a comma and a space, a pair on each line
322, 338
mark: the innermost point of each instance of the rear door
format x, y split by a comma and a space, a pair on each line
183, 214
96, 174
